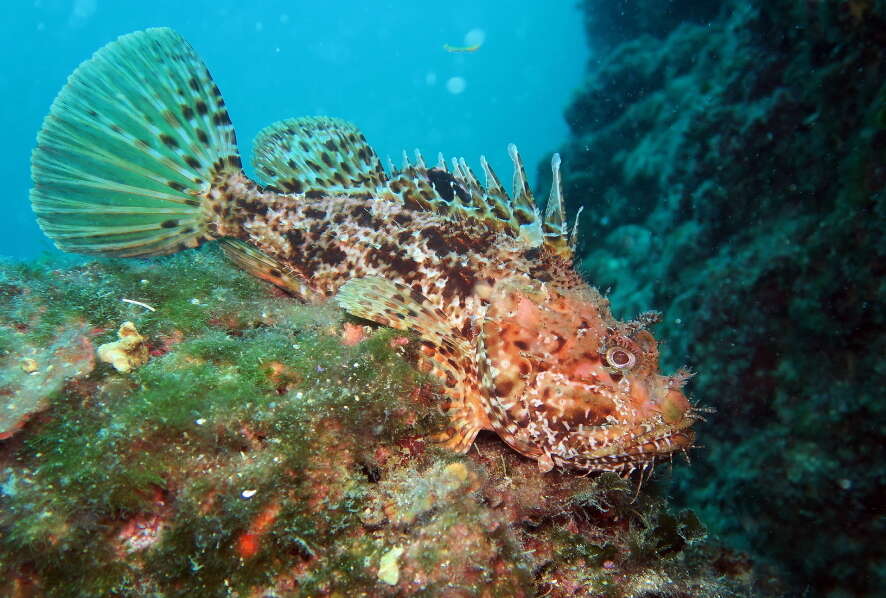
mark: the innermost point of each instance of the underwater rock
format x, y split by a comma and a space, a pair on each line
125, 354
31, 374
751, 148
610, 22
258, 455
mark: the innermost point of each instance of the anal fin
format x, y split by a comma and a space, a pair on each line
263, 266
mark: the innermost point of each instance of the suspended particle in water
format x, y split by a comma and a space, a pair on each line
456, 85
475, 37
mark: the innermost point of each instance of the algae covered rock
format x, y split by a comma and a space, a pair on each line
30, 374
738, 166
264, 450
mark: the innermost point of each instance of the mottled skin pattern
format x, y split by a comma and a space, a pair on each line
138, 157
564, 402
331, 240
533, 334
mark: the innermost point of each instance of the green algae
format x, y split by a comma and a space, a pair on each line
257, 452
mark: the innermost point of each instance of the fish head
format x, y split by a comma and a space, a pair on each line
571, 387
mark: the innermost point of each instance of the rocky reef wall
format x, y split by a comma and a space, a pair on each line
731, 158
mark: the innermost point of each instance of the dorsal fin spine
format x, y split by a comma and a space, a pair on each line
573, 240
555, 218
468, 174
492, 182
521, 195
456, 169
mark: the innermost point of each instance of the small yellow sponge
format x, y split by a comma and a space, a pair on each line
127, 353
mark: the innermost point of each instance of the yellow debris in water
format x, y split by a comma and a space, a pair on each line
127, 353
388, 569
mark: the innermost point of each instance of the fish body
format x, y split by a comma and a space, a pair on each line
138, 157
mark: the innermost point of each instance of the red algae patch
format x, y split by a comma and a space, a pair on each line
249, 542
353, 334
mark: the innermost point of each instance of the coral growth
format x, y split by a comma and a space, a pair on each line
264, 450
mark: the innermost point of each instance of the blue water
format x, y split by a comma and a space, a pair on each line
381, 65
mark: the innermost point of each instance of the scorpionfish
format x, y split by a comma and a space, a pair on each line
138, 157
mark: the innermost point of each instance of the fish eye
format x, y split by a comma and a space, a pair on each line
621, 358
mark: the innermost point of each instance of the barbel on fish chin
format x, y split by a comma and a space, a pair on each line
138, 157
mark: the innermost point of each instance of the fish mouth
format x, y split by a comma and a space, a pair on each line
636, 451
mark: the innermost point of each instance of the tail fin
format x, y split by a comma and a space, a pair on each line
126, 156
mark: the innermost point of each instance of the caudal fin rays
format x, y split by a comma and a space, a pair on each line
130, 148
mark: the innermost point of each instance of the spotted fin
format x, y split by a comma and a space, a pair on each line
126, 156
457, 193
263, 266
445, 354
399, 306
322, 155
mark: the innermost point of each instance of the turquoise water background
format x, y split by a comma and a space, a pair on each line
381, 65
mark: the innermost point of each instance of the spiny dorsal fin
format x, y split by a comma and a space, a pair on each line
263, 266
459, 194
317, 155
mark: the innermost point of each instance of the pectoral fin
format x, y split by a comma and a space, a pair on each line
445, 355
